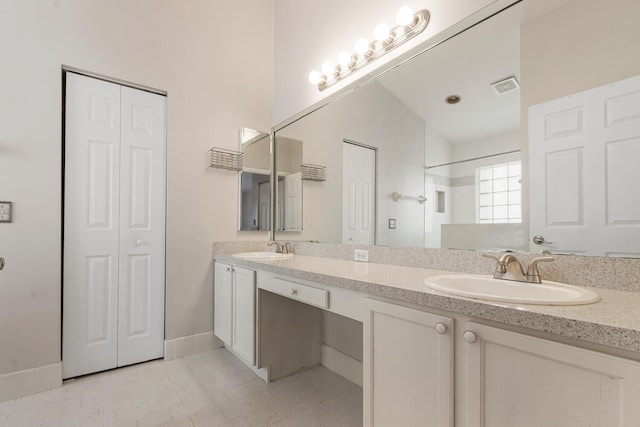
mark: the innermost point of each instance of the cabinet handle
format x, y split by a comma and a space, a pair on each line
228, 270
293, 291
139, 242
441, 328
470, 336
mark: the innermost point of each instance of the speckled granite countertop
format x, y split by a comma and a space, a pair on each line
614, 321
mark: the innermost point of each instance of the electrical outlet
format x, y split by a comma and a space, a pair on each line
5, 211
361, 255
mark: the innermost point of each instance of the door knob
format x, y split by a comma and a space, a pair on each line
539, 240
138, 242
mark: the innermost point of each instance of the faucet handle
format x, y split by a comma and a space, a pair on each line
533, 274
500, 266
278, 246
491, 255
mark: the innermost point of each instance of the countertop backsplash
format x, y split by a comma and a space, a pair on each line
602, 272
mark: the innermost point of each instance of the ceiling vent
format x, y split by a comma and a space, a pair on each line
505, 85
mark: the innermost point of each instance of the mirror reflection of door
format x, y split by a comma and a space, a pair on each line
584, 150
358, 193
253, 206
289, 197
293, 202
264, 200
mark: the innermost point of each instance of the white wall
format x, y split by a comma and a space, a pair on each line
396, 132
214, 86
308, 33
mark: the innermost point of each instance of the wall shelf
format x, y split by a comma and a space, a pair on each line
313, 172
220, 158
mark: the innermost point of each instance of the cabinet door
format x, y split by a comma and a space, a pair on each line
244, 314
408, 367
517, 380
223, 307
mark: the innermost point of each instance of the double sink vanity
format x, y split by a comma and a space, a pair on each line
432, 354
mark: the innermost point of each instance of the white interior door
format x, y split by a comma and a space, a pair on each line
91, 226
583, 153
293, 202
264, 203
358, 194
142, 227
113, 279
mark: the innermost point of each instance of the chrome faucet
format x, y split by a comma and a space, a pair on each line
509, 268
281, 247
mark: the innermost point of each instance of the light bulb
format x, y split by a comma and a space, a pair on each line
381, 32
362, 46
404, 16
344, 58
328, 69
314, 77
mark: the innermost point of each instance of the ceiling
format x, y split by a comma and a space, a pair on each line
465, 65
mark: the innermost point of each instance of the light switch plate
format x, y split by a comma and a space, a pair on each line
5, 211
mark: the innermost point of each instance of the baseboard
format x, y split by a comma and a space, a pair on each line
186, 346
342, 364
30, 381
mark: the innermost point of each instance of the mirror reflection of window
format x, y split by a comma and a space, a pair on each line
499, 196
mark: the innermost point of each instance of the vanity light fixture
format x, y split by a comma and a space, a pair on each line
386, 39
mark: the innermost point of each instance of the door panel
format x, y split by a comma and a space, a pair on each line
91, 224
293, 204
142, 218
244, 313
223, 302
583, 151
358, 193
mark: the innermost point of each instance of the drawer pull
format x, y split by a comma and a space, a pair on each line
293, 291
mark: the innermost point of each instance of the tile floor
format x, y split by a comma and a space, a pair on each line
206, 389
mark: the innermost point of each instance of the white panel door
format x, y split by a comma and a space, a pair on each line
583, 153
408, 367
244, 313
293, 202
517, 380
142, 227
91, 226
223, 302
358, 194
114, 226
264, 203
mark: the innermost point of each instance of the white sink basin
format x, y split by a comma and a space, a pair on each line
488, 288
262, 256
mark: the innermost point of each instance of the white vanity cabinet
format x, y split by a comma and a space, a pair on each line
235, 309
518, 380
408, 367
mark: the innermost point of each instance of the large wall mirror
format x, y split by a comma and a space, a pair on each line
434, 153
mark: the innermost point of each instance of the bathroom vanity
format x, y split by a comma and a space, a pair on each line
437, 357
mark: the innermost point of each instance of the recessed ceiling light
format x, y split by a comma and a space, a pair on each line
453, 99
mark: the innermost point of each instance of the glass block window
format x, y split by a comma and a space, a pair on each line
499, 196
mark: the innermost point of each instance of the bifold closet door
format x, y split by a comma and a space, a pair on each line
114, 226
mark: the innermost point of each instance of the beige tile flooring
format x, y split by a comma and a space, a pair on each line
206, 389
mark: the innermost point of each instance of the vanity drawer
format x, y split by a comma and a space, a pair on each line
297, 291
